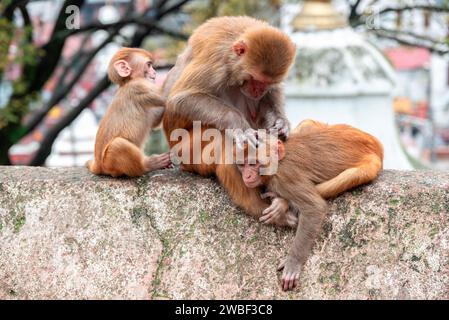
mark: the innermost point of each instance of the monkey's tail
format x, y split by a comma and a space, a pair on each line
92, 166
365, 172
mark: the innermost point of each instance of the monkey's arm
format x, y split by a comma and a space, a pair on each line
145, 93
304, 197
272, 112
193, 97
207, 109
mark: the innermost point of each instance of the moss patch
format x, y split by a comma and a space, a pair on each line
137, 213
18, 222
346, 235
394, 202
204, 216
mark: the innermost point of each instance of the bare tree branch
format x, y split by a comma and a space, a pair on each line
59, 94
414, 7
52, 51
139, 20
171, 33
8, 13
68, 65
27, 23
159, 4
39, 115
173, 8
47, 143
412, 35
410, 40
353, 9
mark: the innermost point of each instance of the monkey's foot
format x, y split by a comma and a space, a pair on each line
290, 274
160, 161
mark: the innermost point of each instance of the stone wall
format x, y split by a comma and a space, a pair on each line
67, 234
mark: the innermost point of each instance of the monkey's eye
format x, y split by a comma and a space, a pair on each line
149, 64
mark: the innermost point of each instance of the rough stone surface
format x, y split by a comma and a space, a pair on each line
67, 234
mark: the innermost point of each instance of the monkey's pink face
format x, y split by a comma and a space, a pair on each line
144, 68
149, 73
257, 85
250, 175
254, 89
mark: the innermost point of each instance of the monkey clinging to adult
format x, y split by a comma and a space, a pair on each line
317, 161
229, 77
136, 108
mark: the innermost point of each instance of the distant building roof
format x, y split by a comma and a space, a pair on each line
408, 58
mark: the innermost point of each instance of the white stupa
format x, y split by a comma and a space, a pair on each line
339, 77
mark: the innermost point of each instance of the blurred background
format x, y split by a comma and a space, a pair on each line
382, 66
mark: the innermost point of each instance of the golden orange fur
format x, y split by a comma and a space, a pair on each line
227, 60
136, 108
318, 161
353, 157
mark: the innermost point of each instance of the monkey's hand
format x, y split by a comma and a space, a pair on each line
281, 127
290, 274
277, 213
248, 137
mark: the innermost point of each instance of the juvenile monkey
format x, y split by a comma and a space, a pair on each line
318, 161
136, 108
229, 77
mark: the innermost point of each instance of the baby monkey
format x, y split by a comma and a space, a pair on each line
317, 162
136, 108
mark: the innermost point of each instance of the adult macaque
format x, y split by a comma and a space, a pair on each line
136, 108
317, 161
229, 78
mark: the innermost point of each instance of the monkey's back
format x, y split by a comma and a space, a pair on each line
324, 153
124, 119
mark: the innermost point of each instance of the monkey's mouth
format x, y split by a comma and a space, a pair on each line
150, 78
251, 183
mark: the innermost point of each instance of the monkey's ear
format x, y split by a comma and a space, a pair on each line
122, 67
240, 48
281, 150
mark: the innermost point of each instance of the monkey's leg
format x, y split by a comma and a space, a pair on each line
308, 125
352, 177
121, 157
246, 198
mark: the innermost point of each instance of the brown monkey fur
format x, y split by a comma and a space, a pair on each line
136, 108
229, 77
317, 162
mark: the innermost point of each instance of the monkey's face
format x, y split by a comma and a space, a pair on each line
143, 68
250, 175
254, 88
257, 84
